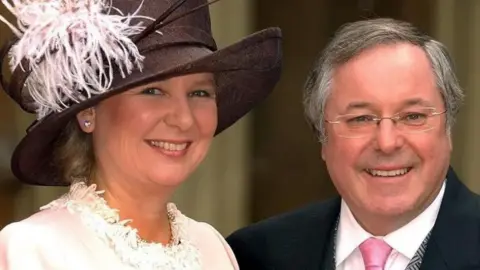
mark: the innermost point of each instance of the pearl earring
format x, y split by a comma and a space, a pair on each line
87, 123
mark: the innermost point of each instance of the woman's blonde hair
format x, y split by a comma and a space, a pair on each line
73, 154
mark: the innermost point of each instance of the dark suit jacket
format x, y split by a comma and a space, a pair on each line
302, 240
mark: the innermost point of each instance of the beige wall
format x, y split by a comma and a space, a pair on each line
456, 25
8, 138
218, 191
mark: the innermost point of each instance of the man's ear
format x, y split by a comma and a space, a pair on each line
322, 151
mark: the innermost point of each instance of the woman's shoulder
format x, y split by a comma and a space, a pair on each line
61, 218
42, 223
36, 239
211, 244
202, 230
45, 227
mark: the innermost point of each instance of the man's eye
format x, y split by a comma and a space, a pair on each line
361, 119
413, 118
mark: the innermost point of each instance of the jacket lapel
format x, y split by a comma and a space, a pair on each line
455, 240
327, 259
311, 246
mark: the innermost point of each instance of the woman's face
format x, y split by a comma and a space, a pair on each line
156, 133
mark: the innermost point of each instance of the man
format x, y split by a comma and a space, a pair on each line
382, 98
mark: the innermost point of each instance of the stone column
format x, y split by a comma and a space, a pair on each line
218, 192
457, 25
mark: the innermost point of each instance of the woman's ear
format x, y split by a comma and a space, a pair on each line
86, 120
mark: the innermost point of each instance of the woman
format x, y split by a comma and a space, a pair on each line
128, 96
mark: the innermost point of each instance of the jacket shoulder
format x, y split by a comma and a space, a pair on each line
31, 242
293, 220
260, 245
215, 251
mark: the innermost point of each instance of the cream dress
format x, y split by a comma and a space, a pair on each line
79, 231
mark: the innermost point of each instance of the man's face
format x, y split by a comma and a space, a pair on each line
391, 171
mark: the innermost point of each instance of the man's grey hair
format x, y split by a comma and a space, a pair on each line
352, 39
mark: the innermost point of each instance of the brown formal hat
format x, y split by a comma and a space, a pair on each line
68, 55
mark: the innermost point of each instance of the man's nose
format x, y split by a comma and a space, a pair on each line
388, 138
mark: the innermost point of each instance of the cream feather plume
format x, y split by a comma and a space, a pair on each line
71, 46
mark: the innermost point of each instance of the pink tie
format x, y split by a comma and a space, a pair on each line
375, 253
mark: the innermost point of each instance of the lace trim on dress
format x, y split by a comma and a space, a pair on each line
124, 240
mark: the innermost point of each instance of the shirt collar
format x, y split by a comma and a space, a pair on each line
405, 240
350, 234
408, 238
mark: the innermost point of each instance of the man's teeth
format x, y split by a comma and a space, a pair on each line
169, 146
388, 173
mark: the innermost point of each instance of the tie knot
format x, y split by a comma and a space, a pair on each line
375, 253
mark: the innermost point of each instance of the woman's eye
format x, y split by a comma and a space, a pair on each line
201, 93
152, 91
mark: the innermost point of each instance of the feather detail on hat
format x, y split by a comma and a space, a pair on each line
71, 47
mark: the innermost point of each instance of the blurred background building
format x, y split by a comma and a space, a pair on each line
269, 162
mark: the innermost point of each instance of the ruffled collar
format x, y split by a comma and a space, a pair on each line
124, 240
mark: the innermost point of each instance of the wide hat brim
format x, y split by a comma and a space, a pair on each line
246, 72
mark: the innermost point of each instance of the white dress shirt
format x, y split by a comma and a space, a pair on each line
404, 241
